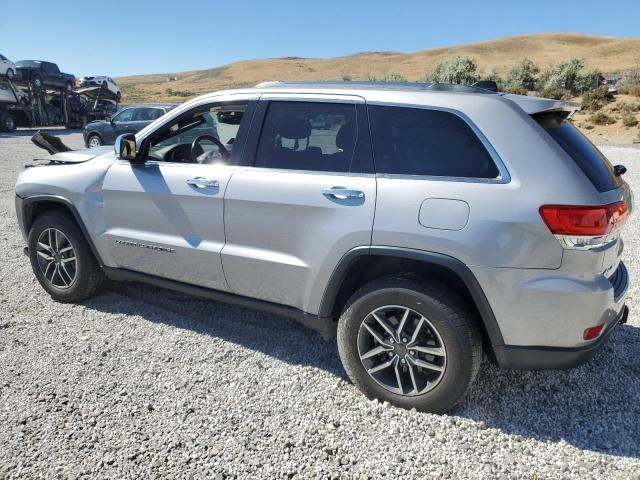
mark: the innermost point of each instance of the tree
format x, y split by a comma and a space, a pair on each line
460, 70
522, 76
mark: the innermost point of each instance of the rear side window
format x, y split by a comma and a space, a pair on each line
590, 160
314, 136
414, 141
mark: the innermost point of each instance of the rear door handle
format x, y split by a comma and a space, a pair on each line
341, 193
202, 182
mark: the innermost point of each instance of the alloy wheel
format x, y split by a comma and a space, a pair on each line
56, 258
401, 350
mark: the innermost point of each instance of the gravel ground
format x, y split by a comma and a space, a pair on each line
135, 384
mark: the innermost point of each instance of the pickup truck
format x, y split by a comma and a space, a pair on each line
43, 75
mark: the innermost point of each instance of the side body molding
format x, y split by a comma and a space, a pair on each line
454, 265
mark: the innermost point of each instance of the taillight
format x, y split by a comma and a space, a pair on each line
584, 226
592, 332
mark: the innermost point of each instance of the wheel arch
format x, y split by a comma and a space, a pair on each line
36, 205
364, 264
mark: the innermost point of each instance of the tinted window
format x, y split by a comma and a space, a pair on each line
590, 160
124, 115
146, 114
415, 141
308, 136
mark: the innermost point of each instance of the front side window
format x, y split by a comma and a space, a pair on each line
146, 114
206, 135
124, 115
313, 136
413, 141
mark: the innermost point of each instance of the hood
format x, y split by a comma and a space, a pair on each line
79, 156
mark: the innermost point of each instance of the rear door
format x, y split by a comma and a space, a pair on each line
303, 198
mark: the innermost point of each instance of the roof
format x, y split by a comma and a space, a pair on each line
384, 86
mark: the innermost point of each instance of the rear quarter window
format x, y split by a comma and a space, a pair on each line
586, 155
415, 141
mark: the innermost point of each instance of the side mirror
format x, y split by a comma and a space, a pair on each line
125, 147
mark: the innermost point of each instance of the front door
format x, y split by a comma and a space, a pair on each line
301, 201
164, 217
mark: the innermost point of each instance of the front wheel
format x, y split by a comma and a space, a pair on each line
10, 74
61, 258
7, 122
411, 342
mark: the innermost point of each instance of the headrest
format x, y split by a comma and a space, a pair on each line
295, 128
346, 136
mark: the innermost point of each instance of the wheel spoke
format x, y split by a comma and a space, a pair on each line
46, 270
64, 269
417, 330
51, 244
64, 261
382, 366
413, 377
55, 236
429, 366
44, 246
59, 270
435, 351
65, 249
48, 258
402, 322
384, 325
375, 351
376, 335
398, 379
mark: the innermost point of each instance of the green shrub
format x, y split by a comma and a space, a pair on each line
629, 121
518, 90
554, 93
594, 100
601, 118
460, 70
571, 75
522, 76
394, 77
346, 78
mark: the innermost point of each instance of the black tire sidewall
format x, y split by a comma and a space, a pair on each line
458, 372
83, 256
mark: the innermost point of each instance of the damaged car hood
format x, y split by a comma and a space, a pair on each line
79, 156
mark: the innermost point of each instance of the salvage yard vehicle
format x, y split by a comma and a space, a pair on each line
7, 67
497, 225
130, 119
44, 75
97, 81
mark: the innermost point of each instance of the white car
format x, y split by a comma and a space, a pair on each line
7, 67
98, 80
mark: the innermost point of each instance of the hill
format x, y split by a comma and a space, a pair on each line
607, 53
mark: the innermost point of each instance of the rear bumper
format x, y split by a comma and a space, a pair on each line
553, 358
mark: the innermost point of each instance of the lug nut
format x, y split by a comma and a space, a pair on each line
404, 340
391, 354
412, 352
403, 361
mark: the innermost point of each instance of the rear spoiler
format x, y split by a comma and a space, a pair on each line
537, 105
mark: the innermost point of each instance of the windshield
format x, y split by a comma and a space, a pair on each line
28, 63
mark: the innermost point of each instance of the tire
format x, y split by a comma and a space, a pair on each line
449, 328
7, 122
83, 276
118, 97
10, 74
94, 140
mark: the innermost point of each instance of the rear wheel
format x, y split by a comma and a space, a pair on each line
94, 140
10, 74
61, 258
37, 83
411, 342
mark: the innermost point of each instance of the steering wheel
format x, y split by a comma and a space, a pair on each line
195, 145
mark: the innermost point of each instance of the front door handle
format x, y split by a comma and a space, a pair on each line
341, 193
202, 182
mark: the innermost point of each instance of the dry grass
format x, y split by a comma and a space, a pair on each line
606, 53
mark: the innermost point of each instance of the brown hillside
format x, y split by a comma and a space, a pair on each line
609, 54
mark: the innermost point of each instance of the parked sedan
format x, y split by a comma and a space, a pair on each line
7, 67
130, 119
97, 80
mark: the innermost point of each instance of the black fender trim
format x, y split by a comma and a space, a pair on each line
451, 263
27, 219
324, 326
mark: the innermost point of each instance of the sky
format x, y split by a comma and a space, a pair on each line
118, 37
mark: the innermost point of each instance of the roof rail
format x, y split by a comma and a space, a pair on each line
480, 87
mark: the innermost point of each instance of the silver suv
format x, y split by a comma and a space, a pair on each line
425, 224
